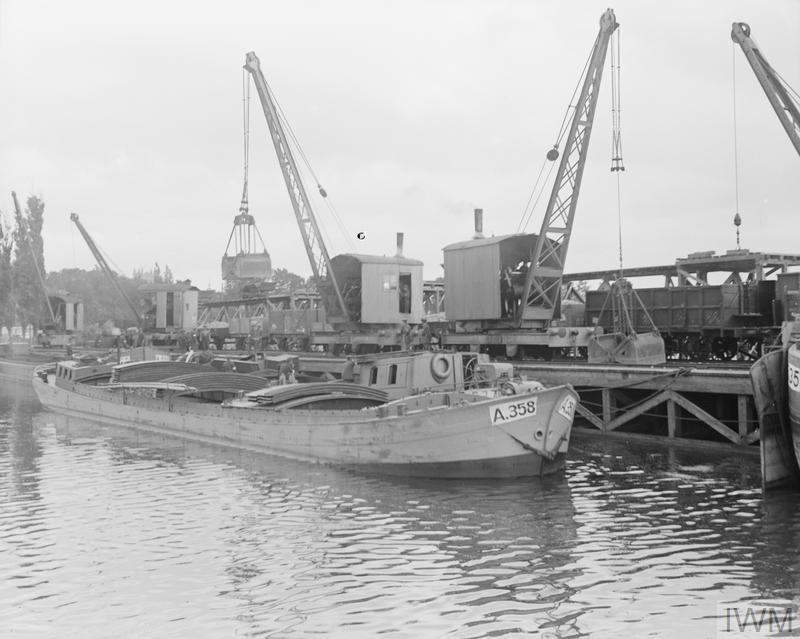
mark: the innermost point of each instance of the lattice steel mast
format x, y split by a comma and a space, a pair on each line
542, 292
107, 271
778, 92
309, 230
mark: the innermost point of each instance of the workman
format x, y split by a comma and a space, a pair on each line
507, 295
405, 335
425, 335
405, 299
283, 372
349, 370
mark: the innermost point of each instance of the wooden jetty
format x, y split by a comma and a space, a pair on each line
692, 401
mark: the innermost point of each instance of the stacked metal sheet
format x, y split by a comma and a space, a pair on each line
218, 381
154, 371
288, 392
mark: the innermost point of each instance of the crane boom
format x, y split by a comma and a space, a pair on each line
786, 108
309, 230
101, 262
39, 274
541, 295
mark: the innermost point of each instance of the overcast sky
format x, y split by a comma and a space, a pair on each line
411, 114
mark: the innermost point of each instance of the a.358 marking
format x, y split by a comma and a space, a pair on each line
512, 411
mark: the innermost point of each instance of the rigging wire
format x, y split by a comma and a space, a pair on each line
617, 165
575, 92
787, 86
552, 154
735, 138
335, 214
244, 206
529, 209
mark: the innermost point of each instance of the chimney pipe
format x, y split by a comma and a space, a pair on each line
399, 245
478, 225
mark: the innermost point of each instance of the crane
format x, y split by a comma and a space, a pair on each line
542, 290
101, 262
785, 105
309, 230
39, 274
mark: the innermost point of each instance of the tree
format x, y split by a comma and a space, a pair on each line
101, 301
6, 301
29, 295
287, 281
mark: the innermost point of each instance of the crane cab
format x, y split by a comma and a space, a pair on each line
485, 277
378, 289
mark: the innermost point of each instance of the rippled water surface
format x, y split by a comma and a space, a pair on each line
107, 532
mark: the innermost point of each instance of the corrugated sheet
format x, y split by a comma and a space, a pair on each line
485, 241
380, 259
472, 282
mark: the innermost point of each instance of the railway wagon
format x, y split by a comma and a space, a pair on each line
700, 322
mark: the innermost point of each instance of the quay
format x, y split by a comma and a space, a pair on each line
688, 400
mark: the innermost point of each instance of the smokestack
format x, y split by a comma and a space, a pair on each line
399, 245
478, 225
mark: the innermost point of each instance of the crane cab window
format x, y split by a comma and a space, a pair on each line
393, 374
373, 375
404, 293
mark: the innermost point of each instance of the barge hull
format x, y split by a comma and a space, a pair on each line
454, 443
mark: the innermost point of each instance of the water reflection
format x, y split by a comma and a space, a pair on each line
136, 531
306, 548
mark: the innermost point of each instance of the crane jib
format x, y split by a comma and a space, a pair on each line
542, 289
316, 251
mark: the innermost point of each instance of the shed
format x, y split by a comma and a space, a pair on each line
176, 305
379, 289
68, 310
472, 274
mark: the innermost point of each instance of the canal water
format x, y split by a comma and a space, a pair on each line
106, 532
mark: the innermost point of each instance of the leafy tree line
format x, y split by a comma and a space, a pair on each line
24, 280
23, 299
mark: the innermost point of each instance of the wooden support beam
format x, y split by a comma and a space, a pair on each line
590, 417
742, 404
708, 418
672, 423
608, 405
628, 415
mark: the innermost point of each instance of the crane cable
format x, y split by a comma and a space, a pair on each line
529, 209
737, 218
617, 165
244, 206
552, 154
322, 191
